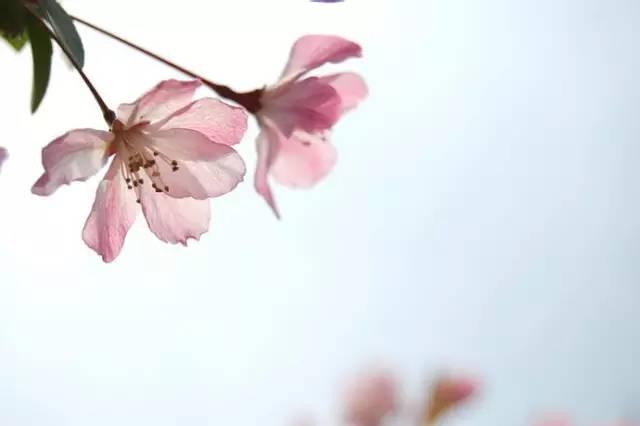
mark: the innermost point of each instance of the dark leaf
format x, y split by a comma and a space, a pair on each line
64, 28
41, 51
12, 17
17, 41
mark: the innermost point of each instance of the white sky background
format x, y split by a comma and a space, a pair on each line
483, 216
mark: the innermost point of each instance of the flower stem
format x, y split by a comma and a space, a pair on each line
108, 114
249, 100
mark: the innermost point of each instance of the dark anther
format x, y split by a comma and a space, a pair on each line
174, 163
140, 181
156, 153
166, 188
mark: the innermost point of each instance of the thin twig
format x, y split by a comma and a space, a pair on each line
249, 100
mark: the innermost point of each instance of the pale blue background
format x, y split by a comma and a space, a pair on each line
483, 217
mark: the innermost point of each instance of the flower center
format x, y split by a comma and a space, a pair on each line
142, 163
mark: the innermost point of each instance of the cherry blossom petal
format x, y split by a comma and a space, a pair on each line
312, 51
3, 156
371, 398
448, 393
456, 389
303, 160
175, 220
186, 144
266, 147
164, 99
205, 169
114, 211
350, 87
75, 156
222, 123
309, 104
204, 179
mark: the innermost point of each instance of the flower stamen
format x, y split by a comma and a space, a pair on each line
141, 160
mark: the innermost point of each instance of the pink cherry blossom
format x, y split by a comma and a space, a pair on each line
296, 115
371, 398
3, 156
168, 153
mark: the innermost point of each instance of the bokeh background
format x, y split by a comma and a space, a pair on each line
483, 217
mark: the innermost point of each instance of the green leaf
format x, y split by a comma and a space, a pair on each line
64, 28
12, 17
17, 41
41, 51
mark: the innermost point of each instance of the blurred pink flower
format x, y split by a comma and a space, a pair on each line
296, 115
371, 398
170, 154
447, 393
3, 156
559, 420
